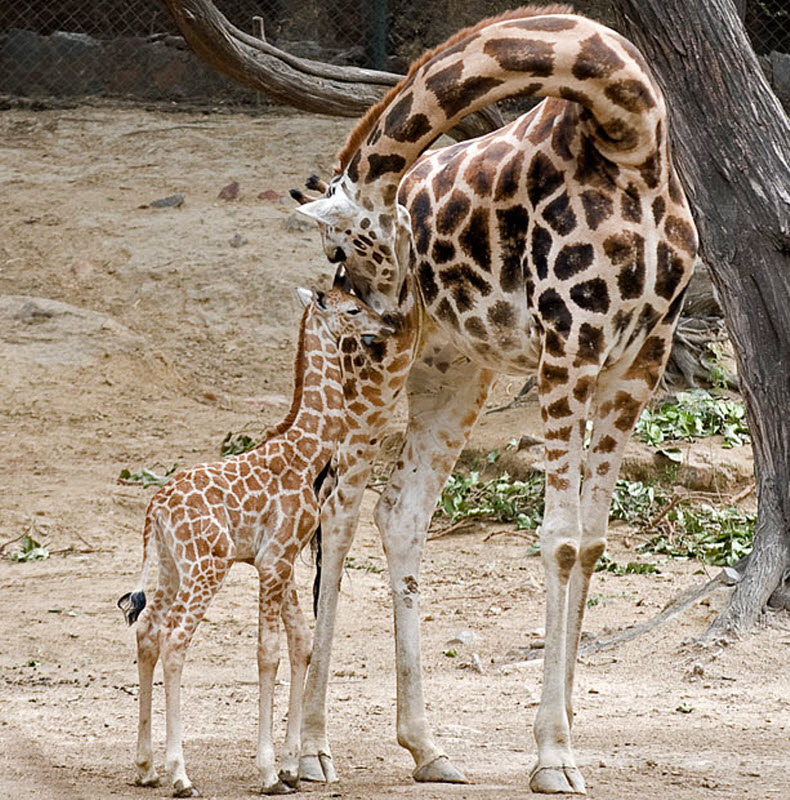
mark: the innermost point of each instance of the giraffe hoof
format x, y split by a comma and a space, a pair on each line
556, 780
289, 778
179, 790
277, 788
150, 780
440, 770
317, 769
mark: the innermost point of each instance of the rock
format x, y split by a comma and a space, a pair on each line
270, 195
465, 638
171, 201
81, 269
730, 576
229, 192
238, 240
295, 222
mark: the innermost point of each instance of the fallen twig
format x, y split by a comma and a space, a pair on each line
462, 523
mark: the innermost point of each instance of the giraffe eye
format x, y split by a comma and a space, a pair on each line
355, 310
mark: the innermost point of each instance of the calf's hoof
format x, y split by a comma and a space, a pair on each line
289, 778
277, 788
317, 769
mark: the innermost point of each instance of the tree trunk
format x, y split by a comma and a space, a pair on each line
309, 85
732, 147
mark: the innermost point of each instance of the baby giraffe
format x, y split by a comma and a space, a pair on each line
258, 507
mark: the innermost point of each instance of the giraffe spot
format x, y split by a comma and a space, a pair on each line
465, 285
474, 239
564, 132
475, 327
427, 280
443, 251
575, 96
349, 387
529, 288
541, 247
560, 434
595, 60
559, 214
670, 271
446, 313
480, 177
621, 321
512, 224
452, 213
675, 307
649, 362
593, 169
349, 344
444, 180
543, 129
554, 312
573, 259
400, 125
352, 170
680, 233
597, 207
543, 179
554, 344
650, 169
420, 211
553, 454
603, 469
659, 207
379, 165
453, 94
557, 482
590, 344
508, 182
645, 323
560, 408
552, 375
532, 57
374, 135
606, 445
583, 389
630, 94
213, 495
502, 314
675, 190
631, 204
547, 23
626, 251
628, 408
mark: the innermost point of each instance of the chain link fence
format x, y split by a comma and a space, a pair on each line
131, 48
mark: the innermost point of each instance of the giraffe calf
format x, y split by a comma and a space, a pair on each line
258, 507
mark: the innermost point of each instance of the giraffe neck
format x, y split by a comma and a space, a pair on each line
316, 412
558, 55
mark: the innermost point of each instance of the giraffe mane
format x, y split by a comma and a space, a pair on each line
373, 114
296, 402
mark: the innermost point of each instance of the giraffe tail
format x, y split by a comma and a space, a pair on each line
132, 603
316, 540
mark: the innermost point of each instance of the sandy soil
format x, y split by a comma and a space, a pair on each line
137, 337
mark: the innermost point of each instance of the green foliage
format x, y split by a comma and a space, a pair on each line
147, 477
29, 550
682, 527
605, 564
363, 566
694, 415
467, 496
235, 443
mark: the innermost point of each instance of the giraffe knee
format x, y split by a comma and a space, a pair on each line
590, 553
563, 556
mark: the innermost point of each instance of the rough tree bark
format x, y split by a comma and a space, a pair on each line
732, 145
309, 85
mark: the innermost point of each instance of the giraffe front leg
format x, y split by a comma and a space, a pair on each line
339, 517
443, 407
269, 607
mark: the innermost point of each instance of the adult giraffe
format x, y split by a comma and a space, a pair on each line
559, 245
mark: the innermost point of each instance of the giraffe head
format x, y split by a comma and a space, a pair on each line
344, 315
371, 238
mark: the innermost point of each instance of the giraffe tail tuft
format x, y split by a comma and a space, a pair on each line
132, 603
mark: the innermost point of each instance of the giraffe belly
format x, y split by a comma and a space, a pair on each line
505, 341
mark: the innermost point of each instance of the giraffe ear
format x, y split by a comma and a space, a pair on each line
305, 295
336, 211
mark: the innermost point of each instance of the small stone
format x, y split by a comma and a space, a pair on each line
171, 201
229, 192
81, 269
730, 576
270, 195
462, 638
238, 240
296, 222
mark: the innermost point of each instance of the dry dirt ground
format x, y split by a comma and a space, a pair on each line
137, 337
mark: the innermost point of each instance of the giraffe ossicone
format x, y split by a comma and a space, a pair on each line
559, 245
260, 508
